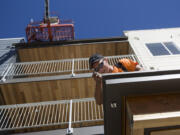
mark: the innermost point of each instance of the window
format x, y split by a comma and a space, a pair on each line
172, 47
164, 48
157, 49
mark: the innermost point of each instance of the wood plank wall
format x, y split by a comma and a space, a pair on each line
29, 92
72, 51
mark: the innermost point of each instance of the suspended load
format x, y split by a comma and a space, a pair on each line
50, 29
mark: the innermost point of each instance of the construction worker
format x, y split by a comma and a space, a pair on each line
100, 65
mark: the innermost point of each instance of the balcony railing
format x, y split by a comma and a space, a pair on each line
33, 115
53, 67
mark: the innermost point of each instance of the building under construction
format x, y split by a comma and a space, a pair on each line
49, 89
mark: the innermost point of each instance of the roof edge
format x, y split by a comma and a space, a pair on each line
57, 43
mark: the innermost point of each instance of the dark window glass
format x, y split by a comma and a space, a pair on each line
172, 47
157, 49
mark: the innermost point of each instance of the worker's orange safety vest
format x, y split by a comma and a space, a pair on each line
124, 65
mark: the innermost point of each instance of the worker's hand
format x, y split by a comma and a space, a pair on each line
139, 68
97, 76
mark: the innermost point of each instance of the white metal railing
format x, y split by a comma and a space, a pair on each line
51, 113
69, 66
3, 69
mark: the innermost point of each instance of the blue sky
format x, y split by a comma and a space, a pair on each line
92, 18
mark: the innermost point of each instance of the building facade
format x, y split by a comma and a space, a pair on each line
55, 88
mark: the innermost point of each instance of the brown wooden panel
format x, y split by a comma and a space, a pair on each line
154, 103
138, 132
48, 90
166, 132
153, 111
72, 51
1, 98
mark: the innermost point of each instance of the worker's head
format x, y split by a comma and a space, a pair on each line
99, 64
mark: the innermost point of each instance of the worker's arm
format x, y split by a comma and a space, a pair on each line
98, 89
131, 65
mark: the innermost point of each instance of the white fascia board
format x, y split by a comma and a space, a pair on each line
12, 38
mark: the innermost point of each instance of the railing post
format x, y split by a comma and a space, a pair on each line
6, 72
73, 74
70, 129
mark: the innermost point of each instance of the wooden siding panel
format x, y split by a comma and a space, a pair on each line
159, 113
48, 90
167, 132
72, 51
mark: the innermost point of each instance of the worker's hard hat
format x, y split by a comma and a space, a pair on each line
94, 58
